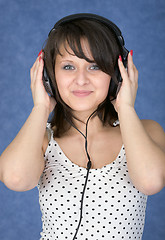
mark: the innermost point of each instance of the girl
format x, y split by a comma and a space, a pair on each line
96, 162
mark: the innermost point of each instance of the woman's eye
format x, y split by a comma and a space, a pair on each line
68, 67
95, 67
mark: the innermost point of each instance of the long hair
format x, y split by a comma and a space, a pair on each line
105, 51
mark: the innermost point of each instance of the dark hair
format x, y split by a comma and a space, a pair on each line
105, 51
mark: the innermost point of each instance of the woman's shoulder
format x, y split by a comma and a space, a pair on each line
155, 131
151, 125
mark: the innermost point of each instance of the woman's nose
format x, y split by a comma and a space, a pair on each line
82, 78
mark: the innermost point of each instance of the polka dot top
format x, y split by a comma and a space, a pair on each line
112, 208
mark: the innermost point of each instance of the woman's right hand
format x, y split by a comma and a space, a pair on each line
40, 96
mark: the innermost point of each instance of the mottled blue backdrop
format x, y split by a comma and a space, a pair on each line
24, 26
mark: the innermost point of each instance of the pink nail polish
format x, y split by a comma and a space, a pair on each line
131, 52
120, 58
39, 58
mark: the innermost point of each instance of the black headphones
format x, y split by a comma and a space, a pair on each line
114, 88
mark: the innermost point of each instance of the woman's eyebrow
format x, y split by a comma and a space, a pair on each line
66, 60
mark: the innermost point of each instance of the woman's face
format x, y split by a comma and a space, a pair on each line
82, 85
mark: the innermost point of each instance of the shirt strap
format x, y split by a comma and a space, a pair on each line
116, 123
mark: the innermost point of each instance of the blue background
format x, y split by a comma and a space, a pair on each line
24, 26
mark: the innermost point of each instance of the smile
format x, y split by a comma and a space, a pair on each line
81, 93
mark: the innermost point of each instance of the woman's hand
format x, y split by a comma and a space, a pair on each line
40, 96
128, 90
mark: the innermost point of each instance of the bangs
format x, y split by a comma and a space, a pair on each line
74, 45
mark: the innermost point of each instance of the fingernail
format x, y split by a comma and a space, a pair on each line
131, 52
120, 58
39, 58
39, 53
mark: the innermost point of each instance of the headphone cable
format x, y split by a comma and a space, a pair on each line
89, 164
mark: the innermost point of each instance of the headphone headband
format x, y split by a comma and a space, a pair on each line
91, 16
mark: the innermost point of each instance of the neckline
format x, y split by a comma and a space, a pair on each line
111, 165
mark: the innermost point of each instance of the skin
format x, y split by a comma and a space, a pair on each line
144, 140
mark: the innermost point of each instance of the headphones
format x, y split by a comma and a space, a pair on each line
114, 88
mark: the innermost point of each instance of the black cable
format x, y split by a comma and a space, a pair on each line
89, 164
81, 208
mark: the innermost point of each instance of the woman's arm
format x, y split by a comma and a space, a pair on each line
22, 163
144, 141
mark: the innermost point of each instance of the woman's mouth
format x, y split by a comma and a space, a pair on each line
82, 93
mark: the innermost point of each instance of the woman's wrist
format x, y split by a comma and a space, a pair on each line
42, 109
125, 109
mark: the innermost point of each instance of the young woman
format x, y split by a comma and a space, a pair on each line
96, 162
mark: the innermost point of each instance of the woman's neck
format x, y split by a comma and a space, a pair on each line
94, 125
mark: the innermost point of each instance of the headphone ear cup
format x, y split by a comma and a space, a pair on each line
48, 83
115, 86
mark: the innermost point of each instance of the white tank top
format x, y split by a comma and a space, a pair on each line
112, 208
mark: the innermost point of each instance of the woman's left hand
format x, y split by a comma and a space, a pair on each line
128, 90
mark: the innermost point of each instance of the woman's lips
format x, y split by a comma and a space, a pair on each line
82, 93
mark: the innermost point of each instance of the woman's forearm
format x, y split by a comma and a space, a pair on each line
145, 159
22, 161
